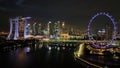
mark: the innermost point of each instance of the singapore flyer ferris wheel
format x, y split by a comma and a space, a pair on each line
114, 30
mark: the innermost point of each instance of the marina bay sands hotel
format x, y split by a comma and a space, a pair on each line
18, 28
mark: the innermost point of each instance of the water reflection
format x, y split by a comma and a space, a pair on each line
39, 55
19, 57
96, 60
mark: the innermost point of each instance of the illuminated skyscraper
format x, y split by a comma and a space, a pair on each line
57, 29
109, 31
18, 28
29, 29
63, 27
39, 29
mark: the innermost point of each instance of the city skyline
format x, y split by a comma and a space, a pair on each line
73, 12
59, 33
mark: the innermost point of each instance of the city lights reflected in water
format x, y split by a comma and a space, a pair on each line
100, 61
38, 55
81, 48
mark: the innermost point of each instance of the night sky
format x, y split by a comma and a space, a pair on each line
73, 12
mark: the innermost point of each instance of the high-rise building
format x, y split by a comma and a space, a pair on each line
118, 27
57, 29
18, 28
29, 29
108, 31
39, 29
